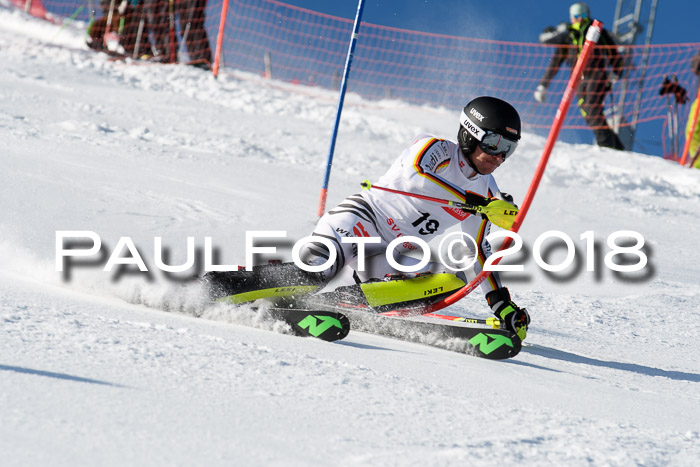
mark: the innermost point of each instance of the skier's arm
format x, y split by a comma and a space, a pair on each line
555, 36
560, 54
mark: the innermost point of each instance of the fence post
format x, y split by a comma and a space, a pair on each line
343, 87
220, 38
267, 58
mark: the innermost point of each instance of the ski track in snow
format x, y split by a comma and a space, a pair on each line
95, 371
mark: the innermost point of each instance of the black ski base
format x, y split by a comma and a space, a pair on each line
325, 325
483, 342
479, 341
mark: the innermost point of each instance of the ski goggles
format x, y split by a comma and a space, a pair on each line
494, 144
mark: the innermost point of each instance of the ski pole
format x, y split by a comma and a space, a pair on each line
674, 127
183, 42
493, 322
498, 211
67, 22
172, 48
139, 33
108, 26
669, 128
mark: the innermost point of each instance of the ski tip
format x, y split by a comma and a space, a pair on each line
496, 345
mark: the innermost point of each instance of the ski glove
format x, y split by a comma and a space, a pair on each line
540, 94
516, 319
478, 200
475, 200
508, 198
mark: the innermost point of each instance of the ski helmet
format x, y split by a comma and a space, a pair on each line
486, 116
579, 9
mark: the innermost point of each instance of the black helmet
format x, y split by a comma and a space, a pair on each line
486, 115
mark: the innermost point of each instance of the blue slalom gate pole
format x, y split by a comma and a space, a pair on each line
343, 87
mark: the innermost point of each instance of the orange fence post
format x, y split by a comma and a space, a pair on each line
220, 38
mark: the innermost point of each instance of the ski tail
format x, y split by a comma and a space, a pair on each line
325, 325
270, 281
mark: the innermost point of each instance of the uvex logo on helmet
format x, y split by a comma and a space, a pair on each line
472, 127
476, 113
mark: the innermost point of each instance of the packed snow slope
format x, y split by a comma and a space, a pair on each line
136, 369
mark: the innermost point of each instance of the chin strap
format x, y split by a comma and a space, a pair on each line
471, 164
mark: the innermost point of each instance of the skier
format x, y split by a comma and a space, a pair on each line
488, 134
158, 19
594, 84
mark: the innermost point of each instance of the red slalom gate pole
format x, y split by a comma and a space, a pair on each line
592, 37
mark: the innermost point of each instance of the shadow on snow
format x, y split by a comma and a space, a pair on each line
50, 374
556, 354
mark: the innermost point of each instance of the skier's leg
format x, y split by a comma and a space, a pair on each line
591, 102
330, 231
343, 221
267, 277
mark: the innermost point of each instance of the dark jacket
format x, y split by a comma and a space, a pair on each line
571, 40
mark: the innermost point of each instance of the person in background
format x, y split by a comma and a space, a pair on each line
694, 150
595, 83
158, 21
126, 20
190, 14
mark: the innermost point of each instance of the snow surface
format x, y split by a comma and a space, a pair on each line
135, 370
